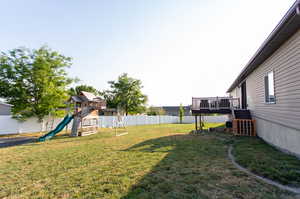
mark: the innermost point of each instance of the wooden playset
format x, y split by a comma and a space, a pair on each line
86, 113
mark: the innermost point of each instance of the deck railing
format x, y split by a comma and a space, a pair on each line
215, 103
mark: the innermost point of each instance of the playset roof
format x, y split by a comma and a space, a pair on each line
85, 97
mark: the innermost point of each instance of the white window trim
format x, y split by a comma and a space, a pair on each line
266, 75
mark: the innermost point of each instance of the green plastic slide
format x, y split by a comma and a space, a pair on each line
67, 119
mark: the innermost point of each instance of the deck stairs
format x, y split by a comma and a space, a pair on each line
242, 114
243, 124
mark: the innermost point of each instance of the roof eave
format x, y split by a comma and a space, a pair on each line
287, 26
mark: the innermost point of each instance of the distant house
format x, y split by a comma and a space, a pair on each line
173, 110
269, 85
5, 109
108, 112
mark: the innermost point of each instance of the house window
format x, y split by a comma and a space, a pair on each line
269, 88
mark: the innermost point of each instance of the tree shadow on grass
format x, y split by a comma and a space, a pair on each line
194, 167
10, 142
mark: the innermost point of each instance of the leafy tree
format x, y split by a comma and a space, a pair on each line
78, 89
155, 111
34, 81
126, 94
181, 113
111, 102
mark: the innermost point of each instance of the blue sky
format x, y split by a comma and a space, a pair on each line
178, 48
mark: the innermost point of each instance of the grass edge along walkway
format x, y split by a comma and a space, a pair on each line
262, 159
266, 180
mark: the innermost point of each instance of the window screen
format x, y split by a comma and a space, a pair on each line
269, 88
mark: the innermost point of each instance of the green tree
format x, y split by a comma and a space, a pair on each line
155, 111
34, 81
126, 94
181, 113
110, 99
87, 88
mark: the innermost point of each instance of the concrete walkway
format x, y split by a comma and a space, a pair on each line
7, 142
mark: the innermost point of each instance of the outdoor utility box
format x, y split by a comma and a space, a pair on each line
228, 124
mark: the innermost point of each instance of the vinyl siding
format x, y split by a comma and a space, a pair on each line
235, 93
285, 63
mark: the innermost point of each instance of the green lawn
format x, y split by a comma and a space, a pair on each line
265, 160
155, 161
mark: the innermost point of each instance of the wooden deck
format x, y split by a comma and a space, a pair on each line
208, 111
244, 126
213, 105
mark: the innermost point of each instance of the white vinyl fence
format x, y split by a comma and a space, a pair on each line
12, 126
9, 125
109, 121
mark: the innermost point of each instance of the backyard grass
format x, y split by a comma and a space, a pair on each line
155, 161
264, 160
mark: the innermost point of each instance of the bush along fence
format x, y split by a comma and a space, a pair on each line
9, 125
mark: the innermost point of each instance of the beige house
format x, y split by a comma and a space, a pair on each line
269, 85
